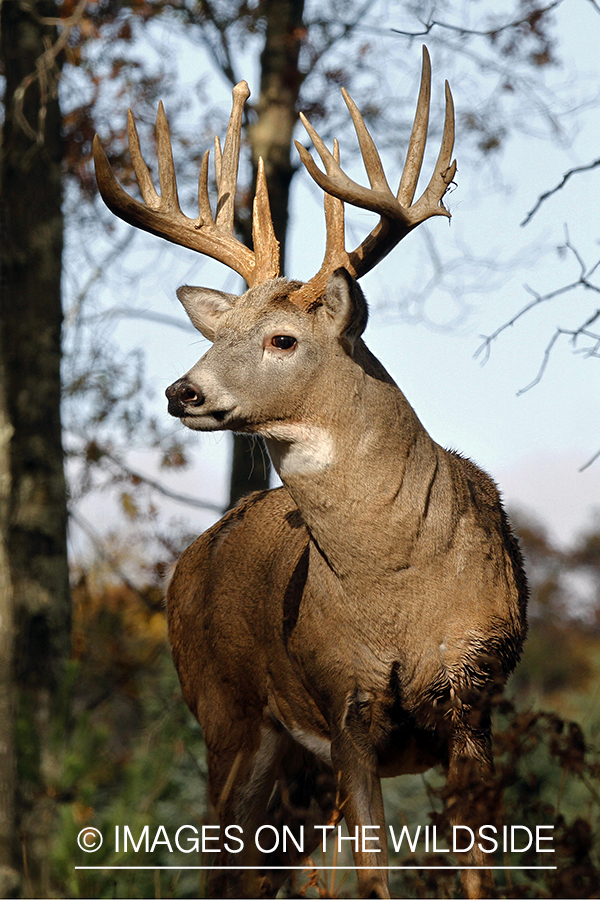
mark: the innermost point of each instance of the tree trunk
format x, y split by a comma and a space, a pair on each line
8, 876
271, 137
34, 484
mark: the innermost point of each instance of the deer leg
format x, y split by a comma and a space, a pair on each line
305, 797
470, 772
354, 761
241, 780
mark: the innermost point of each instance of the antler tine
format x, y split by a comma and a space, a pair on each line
326, 157
228, 168
418, 137
335, 247
218, 158
398, 215
429, 203
334, 180
371, 158
166, 167
140, 168
334, 207
118, 201
162, 215
266, 245
205, 212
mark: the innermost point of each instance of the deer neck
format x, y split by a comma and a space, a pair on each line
350, 468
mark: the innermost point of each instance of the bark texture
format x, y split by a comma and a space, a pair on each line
271, 137
8, 875
34, 485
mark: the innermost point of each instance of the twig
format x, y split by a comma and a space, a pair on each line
157, 486
584, 281
583, 330
575, 171
433, 23
97, 273
130, 312
589, 462
538, 298
219, 50
544, 364
100, 547
346, 29
43, 67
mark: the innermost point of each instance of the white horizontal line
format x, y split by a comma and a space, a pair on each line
309, 868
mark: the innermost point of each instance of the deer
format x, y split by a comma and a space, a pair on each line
356, 622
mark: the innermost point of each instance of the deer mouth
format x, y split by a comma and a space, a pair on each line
205, 421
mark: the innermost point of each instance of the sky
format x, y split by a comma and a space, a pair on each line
534, 443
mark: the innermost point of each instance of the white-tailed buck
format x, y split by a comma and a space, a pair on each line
355, 623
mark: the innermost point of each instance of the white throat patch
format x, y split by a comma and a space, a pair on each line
299, 449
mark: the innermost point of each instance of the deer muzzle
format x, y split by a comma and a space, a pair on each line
183, 397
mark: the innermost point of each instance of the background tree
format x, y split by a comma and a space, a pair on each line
270, 136
35, 587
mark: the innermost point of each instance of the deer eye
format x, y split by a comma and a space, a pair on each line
283, 341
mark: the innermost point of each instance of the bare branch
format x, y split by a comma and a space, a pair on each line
45, 74
130, 312
573, 334
489, 32
100, 547
549, 193
345, 31
485, 348
589, 462
157, 486
582, 331
584, 281
544, 364
98, 272
216, 41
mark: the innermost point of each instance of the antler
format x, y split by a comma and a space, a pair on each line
213, 236
399, 214
162, 215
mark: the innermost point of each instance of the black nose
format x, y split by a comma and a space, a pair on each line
181, 396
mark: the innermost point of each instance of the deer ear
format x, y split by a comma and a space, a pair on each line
205, 307
345, 305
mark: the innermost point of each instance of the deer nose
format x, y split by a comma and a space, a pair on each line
181, 395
